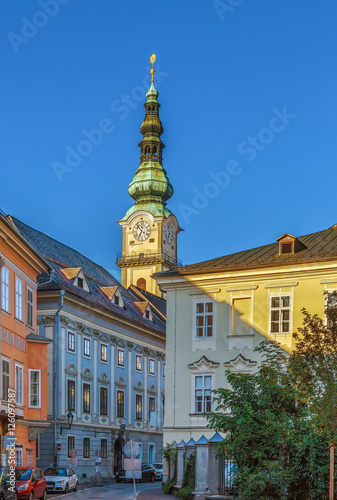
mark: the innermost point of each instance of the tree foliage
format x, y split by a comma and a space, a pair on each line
279, 421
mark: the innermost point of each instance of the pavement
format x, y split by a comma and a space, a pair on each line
153, 495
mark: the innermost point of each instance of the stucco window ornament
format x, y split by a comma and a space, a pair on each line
86, 374
138, 387
203, 364
104, 379
71, 370
120, 382
240, 365
113, 339
152, 389
48, 320
96, 334
130, 346
64, 320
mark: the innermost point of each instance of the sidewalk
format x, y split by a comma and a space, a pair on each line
153, 495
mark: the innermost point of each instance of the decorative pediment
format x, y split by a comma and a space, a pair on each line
152, 389
86, 374
71, 370
138, 386
120, 382
240, 365
139, 349
120, 343
152, 353
204, 364
104, 337
103, 379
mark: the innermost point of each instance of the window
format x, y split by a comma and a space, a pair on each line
204, 319
151, 366
139, 407
138, 363
86, 347
286, 248
30, 308
5, 289
103, 401
164, 369
86, 447
71, 445
71, 395
5, 378
71, 341
120, 404
116, 300
18, 299
280, 314
18, 384
104, 448
104, 353
86, 398
18, 457
34, 388
152, 404
147, 314
203, 393
120, 357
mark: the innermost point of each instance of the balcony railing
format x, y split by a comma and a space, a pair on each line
147, 257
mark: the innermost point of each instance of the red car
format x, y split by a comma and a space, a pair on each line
30, 483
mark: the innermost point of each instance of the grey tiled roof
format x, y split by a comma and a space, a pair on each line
61, 256
318, 246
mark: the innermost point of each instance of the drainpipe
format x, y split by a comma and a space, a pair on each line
56, 324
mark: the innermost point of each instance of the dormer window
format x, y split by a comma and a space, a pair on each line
116, 300
114, 295
76, 276
289, 244
80, 282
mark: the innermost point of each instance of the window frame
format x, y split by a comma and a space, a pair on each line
19, 453
280, 309
164, 369
73, 407
21, 369
152, 371
69, 437
71, 332
120, 350
202, 388
154, 404
139, 357
118, 403
104, 457
83, 399
87, 341
18, 299
103, 389
8, 375
30, 307
102, 345
204, 315
30, 371
139, 397
5, 287
87, 439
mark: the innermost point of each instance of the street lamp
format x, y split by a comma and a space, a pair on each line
70, 418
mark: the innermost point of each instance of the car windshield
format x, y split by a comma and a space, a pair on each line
23, 474
158, 466
55, 472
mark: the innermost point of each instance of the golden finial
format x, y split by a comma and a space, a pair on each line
152, 60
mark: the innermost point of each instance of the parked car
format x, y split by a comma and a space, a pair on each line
5, 492
148, 474
159, 470
61, 479
30, 483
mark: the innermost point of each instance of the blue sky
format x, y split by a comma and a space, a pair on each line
247, 89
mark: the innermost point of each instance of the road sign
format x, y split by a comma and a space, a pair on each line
131, 449
58, 446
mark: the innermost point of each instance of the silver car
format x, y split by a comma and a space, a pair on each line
159, 471
61, 479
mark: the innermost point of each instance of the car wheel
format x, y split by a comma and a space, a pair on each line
31, 496
44, 497
118, 481
66, 489
76, 486
153, 477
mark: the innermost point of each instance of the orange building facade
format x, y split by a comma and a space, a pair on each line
23, 352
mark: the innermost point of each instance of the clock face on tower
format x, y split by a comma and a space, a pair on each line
168, 233
142, 230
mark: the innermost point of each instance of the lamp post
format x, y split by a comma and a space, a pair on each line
70, 418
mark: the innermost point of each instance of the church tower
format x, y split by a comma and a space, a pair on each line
149, 227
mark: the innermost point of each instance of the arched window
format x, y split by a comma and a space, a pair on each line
154, 150
141, 283
147, 150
